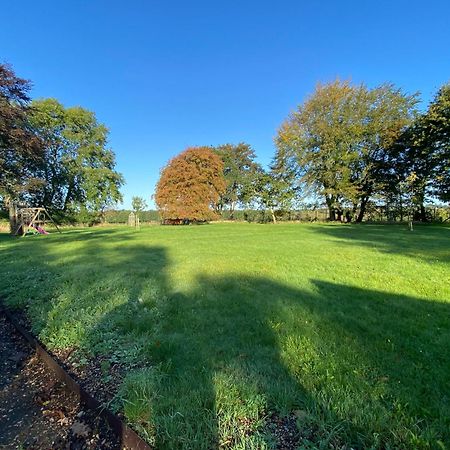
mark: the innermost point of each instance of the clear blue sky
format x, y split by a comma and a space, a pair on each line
164, 75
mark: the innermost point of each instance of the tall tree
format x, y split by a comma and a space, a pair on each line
240, 171
321, 134
190, 186
78, 170
387, 113
340, 136
20, 148
422, 154
437, 129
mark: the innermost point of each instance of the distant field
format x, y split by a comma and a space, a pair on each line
234, 332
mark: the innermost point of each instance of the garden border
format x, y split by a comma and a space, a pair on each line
128, 437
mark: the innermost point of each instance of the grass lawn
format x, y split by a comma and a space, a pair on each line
229, 328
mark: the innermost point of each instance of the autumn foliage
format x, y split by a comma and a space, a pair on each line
190, 186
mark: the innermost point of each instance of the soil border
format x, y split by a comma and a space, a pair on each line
127, 436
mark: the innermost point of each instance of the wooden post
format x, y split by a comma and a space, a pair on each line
51, 218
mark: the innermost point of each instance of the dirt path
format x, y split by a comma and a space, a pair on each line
36, 412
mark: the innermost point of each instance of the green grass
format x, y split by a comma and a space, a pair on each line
224, 325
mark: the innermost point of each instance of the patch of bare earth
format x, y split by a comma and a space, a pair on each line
284, 431
36, 411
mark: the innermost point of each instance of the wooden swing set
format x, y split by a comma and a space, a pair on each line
26, 220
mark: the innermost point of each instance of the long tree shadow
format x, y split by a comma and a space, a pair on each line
224, 361
428, 242
224, 357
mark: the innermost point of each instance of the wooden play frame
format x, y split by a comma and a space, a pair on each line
30, 218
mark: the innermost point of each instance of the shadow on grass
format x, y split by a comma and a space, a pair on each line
428, 242
222, 362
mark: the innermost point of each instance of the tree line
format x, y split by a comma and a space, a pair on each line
347, 146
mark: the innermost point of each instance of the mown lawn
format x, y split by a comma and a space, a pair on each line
228, 328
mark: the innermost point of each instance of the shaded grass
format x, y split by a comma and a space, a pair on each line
347, 326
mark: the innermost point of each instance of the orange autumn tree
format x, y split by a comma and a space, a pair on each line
190, 186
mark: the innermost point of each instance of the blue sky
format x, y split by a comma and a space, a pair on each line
164, 75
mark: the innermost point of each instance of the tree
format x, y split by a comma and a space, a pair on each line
421, 155
388, 112
240, 172
316, 136
20, 148
190, 186
138, 204
437, 129
339, 137
277, 188
78, 171
410, 196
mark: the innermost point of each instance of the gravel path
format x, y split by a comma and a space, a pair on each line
36, 412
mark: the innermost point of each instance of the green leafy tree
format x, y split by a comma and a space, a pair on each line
240, 172
386, 113
437, 126
424, 150
340, 136
138, 204
267, 194
78, 171
190, 186
319, 134
277, 189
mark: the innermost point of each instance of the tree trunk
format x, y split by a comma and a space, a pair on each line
67, 199
362, 209
423, 213
331, 209
332, 214
231, 211
272, 213
12, 216
352, 214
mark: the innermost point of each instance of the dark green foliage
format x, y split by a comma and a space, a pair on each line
20, 148
437, 122
423, 153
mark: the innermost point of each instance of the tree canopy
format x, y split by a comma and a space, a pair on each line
241, 173
20, 148
424, 152
353, 146
78, 170
278, 188
138, 204
341, 135
190, 186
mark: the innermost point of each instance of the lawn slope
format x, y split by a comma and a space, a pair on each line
230, 330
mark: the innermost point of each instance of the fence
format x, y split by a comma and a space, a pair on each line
375, 213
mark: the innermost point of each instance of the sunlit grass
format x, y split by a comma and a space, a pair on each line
347, 327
